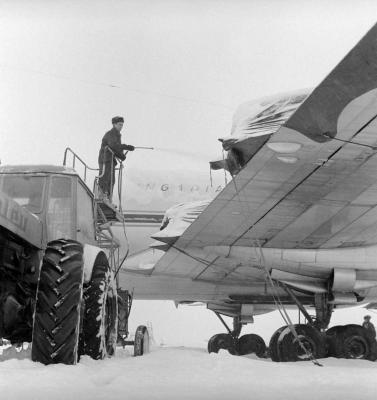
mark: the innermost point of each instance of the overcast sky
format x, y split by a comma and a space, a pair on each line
175, 69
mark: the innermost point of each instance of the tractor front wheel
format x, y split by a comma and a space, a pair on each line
58, 304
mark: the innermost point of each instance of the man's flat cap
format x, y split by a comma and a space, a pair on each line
115, 120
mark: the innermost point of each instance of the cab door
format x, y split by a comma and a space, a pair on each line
85, 215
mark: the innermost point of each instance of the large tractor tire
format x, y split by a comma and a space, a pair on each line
100, 324
58, 304
356, 342
251, 343
309, 344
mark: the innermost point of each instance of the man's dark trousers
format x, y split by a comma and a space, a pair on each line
106, 182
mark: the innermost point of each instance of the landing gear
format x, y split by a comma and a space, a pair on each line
273, 348
351, 341
141, 342
246, 344
223, 341
297, 343
323, 311
251, 343
332, 338
300, 342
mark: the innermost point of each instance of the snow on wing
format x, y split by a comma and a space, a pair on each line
302, 188
253, 123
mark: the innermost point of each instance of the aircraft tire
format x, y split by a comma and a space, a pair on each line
141, 345
219, 341
100, 323
310, 338
355, 342
332, 339
233, 347
273, 347
251, 343
58, 304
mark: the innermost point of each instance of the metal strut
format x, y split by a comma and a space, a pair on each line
298, 303
282, 310
237, 326
323, 311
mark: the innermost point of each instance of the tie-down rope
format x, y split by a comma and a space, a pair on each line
270, 281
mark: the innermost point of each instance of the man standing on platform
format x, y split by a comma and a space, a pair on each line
111, 149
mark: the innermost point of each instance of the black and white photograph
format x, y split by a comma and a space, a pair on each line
188, 199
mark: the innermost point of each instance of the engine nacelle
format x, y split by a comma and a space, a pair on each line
344, 280
345, 285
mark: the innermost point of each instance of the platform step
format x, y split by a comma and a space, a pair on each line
107, 245
109, 210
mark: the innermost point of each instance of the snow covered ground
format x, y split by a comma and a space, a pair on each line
182, 368
187, 373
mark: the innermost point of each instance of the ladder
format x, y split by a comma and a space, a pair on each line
105, 213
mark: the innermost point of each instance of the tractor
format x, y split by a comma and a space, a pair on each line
58, 266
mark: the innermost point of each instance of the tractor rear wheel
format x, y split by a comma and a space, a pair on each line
58, 304
100, 324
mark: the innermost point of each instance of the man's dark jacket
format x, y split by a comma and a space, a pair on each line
112, 139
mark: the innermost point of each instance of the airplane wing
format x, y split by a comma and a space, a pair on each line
312, 185
305, 188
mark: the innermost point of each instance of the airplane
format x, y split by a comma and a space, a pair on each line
294, 227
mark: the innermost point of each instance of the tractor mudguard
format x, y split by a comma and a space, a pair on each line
90, 255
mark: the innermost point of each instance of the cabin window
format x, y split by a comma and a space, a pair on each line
59, 209
26, 190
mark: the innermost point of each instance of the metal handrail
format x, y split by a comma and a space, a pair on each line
86, 167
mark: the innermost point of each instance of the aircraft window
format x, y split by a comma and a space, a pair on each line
26, 190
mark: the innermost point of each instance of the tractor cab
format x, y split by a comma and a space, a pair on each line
57, 196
